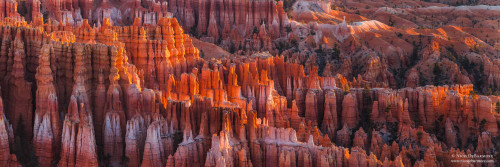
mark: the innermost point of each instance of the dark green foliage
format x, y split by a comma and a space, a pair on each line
45, 16
477, 71
312, 32
474, 48
294, 43
232, 49
437, 74
440, 118
439, 131
482, 124
288, 29
451, 54
422, 81
391, 23
366, 112
399, 35
346, 89
399, 75
202, 54
414, 54
412, 158
194, 32
321, 59
392, 127
458, 3
472, 140
459, 139
419, 135
282, 46
335, 53
144, 5
497, 110
388, 108
489, 92
325, 55
464, 62
255, 30
21, 8
287, 4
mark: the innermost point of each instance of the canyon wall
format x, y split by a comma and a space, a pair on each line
140, 95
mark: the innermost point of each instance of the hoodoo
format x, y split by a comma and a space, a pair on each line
249, 83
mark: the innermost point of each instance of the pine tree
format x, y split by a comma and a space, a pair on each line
437, 73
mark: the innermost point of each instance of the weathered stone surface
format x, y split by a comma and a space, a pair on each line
158, 145
113, 139
47, 127
141, 95
6, 137
19, 103
134, 139
349, 111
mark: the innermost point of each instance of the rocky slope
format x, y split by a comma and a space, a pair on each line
139, 92
405, 39
121, 96
401, 46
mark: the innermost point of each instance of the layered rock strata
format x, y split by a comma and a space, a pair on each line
141, 95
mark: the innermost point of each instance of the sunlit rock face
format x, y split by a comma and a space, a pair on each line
384, 44
229, 23
107, 83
